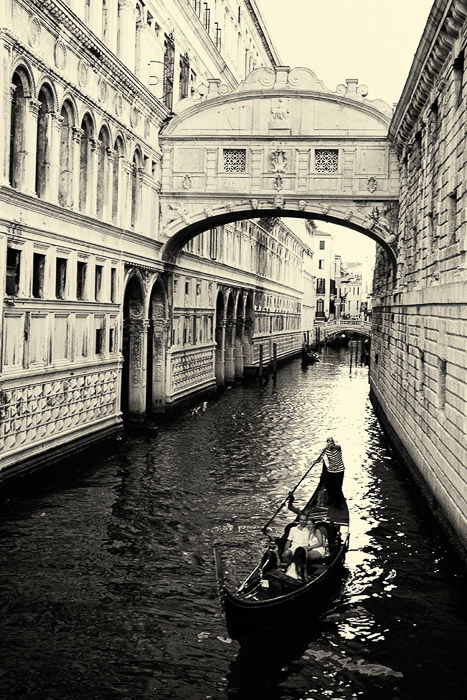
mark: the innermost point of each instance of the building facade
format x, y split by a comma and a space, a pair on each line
351, 295
419, 350
91, 324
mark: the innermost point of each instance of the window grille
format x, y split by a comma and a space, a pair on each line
168, 78
184, 76
207, 18
218, 37
234, 160
326, 160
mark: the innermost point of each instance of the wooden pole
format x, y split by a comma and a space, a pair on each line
260, 369
274, 361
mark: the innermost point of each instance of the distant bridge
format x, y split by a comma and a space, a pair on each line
324, 330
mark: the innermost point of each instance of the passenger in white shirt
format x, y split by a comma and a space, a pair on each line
298, 537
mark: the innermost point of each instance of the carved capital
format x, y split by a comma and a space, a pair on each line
34, 106
77, 134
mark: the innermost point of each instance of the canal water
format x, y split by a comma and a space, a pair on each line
107, 587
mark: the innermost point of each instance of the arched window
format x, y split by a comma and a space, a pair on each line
43, 140
20, 90
85, 165
66, 155
102, 169
116, 178
135, 188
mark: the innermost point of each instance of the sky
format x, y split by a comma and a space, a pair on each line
372, 40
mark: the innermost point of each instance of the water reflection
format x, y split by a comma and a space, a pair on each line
107, 586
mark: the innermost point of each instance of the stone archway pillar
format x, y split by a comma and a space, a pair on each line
248, 342
239, 347
77, 135
159, 358
229, 352
54, 129
138, 337
220, 353
27, 166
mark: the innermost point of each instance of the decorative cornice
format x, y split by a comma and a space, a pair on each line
269, 47
60, 214
443, 27
97, 53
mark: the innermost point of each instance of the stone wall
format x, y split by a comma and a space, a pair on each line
419, 346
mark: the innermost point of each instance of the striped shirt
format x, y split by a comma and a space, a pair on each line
333, 460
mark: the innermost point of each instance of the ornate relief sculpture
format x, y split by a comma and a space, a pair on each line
279, 161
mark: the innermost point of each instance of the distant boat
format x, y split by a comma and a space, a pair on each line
265, 600
309, 354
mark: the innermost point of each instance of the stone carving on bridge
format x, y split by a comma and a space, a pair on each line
302, 205
187, 182
174, 213
279, 160
372, 184
279, 202
280, 113
278, 182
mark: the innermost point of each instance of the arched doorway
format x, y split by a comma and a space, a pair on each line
220, 339
134, 348
157, 344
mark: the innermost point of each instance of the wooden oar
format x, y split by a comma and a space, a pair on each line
265, 527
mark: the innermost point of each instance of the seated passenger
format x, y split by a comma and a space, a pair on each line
298, 537
298, 568
316, 542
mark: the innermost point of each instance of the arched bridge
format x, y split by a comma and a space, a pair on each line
280, 144
325, 330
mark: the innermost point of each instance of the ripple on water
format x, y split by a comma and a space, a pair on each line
106, 581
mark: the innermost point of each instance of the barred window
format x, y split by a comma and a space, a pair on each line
326, 160
234, 160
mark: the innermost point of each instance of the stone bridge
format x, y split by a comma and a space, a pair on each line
280, 144
324, 330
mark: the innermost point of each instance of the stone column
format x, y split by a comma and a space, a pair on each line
6, 98
159, 340
91, 194
26, 168
108, 186
77, 135
112, 18
54, 129
124, 195
239, 342
220, 351
229, 352
127, 28
248, 342
138, 331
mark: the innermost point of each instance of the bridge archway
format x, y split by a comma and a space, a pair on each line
281, 144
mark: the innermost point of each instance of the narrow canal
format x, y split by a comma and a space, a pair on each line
106, 578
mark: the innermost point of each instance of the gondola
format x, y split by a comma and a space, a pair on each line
265, 600
309, 354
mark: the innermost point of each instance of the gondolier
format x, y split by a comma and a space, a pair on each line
333, 472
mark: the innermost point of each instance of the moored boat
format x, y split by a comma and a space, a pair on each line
309, 354
269, 597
